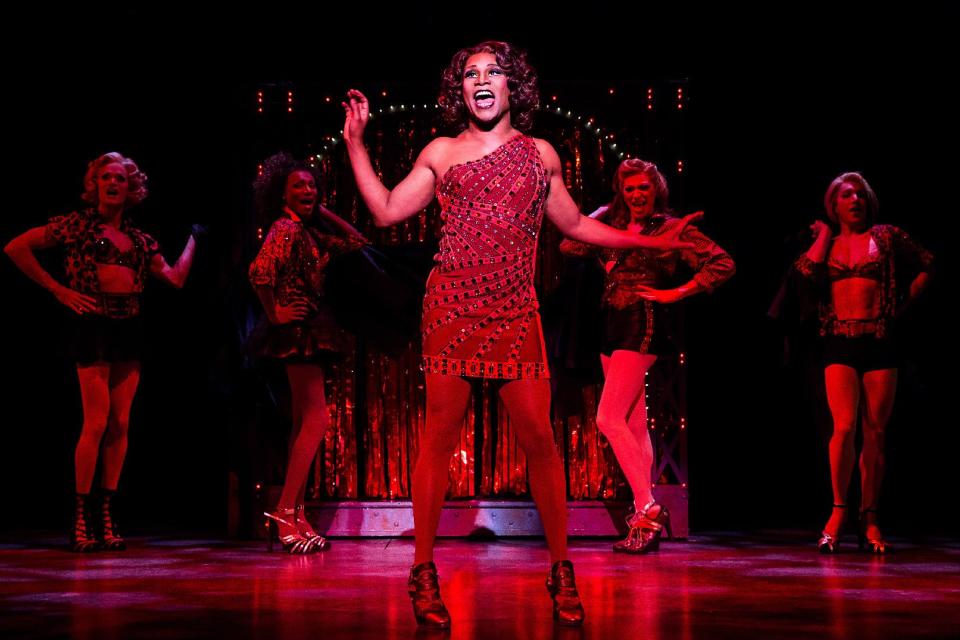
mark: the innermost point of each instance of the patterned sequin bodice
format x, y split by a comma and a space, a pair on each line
898, 258
480, 311
293, 260
81, 234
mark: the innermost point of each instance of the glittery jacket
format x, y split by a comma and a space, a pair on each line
293, 261
901, 258
81, 235
642, 267
293, 258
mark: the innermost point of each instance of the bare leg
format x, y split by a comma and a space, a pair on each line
879, 390
447, 398
528, 405
124, 378
309, 401
843, 397
623, 388
95, 396
296, 420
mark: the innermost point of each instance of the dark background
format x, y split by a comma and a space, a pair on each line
780, 102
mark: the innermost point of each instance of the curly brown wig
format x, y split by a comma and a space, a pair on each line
271, 183
136, 179
521, 80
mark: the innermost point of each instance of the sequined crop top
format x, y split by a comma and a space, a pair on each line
81, 235
105, 252
871, 268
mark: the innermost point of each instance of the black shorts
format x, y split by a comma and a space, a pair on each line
632, 329
863, 353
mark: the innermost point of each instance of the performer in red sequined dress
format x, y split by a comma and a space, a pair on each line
480, 312
480, 316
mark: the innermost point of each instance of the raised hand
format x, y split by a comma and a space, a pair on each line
199, 231
357, 114
819, 228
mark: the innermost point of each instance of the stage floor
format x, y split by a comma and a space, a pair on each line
721, 585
